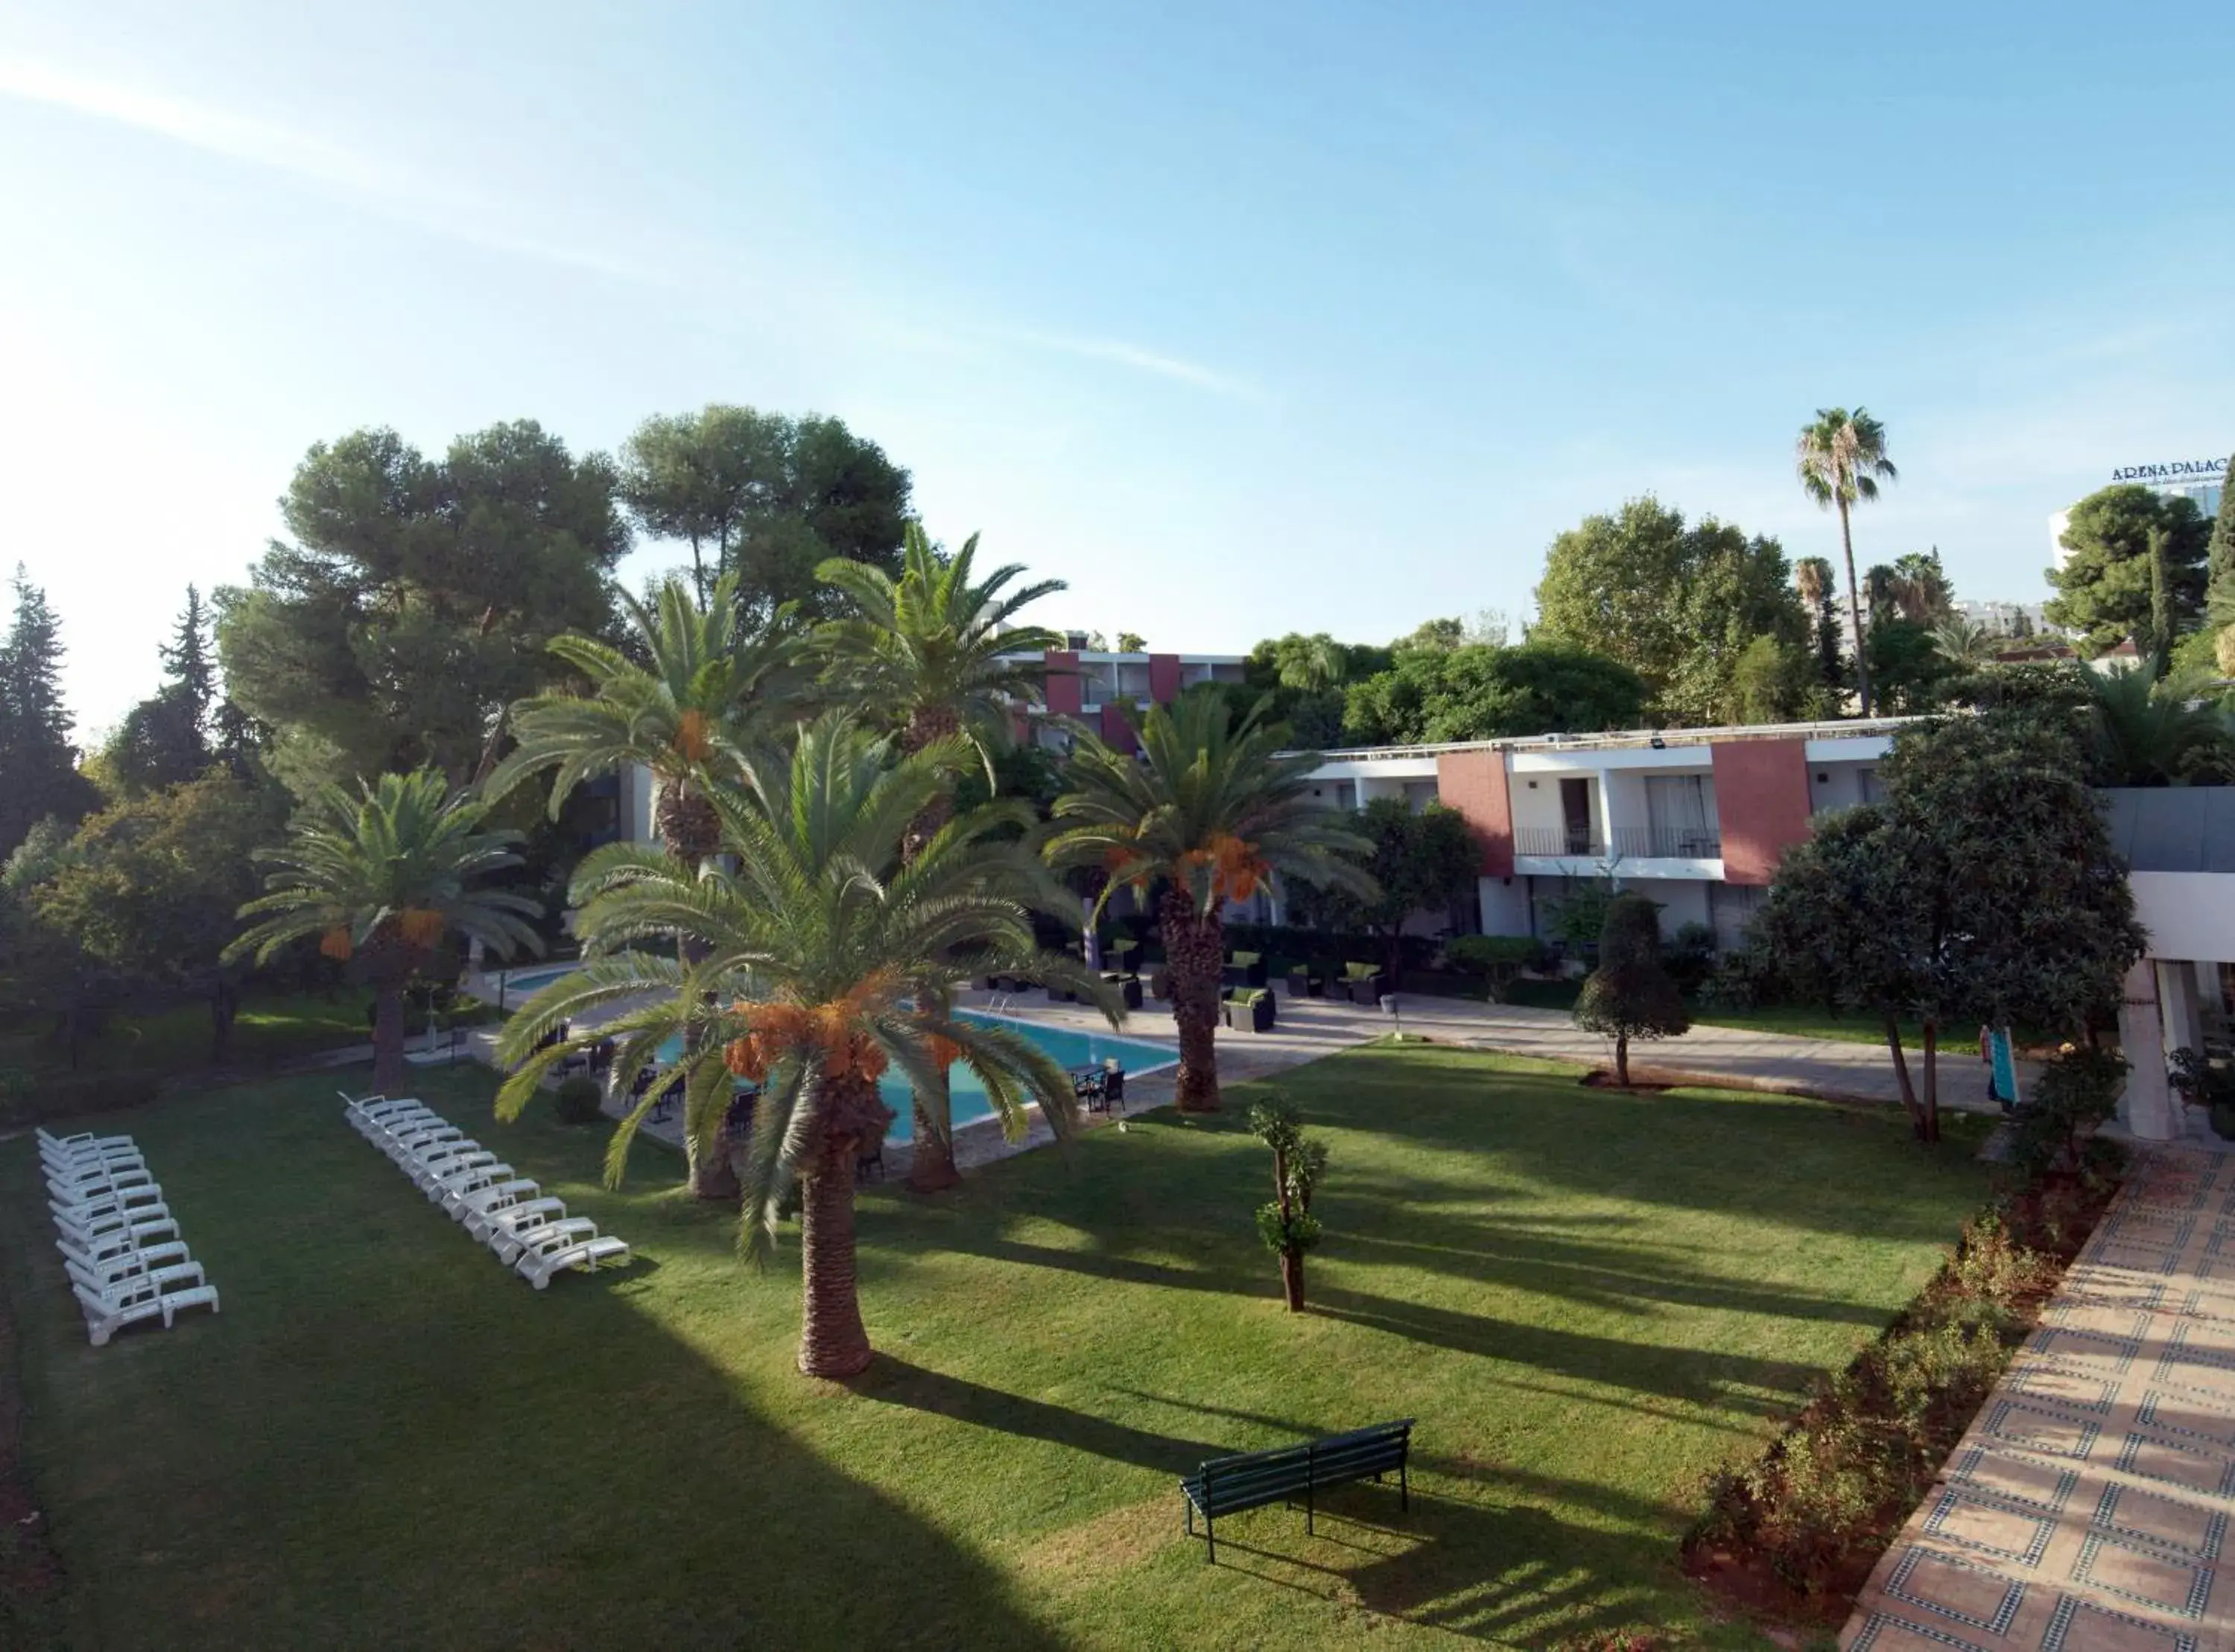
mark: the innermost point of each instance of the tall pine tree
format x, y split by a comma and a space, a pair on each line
38, 765
165, 740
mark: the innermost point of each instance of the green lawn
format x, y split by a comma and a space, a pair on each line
1585, 1299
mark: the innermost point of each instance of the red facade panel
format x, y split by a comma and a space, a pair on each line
1164, 679
1117, 733
1761, 794
1474, 784
1065, 687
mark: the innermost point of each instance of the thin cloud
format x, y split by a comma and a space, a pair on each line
422, 201
1155, 363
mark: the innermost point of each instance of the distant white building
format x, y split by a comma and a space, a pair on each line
2006, 619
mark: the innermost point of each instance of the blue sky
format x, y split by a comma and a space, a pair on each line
1242, 318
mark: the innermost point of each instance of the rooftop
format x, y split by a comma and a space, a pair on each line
1848, 729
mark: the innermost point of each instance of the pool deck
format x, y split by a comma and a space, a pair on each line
1311, 1027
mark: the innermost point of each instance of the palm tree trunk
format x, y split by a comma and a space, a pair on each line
1855, 610
1194, 949
833, 1342
686, 823
388, 1037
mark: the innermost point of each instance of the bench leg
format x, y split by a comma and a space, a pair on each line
1307, 1511
1403, 1490
1211, 1541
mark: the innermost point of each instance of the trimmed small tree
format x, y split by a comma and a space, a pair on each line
1286, 1223
1629, 994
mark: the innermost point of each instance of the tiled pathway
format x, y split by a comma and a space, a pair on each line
2088, 1508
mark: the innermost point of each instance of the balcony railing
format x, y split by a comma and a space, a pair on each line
1627, 843
1667, 843
1579, 844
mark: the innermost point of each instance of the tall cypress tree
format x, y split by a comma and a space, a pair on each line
182, 728
192, 679
37, 761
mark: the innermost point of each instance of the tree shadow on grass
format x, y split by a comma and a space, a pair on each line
891, 1381
389, 1441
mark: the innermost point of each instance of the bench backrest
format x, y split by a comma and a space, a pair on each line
1253, 1478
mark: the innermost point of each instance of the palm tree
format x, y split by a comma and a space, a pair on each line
382, 877
926, 653
2142, 733
1841, 458
1213, 810
1965, 642
700, 694
812, 977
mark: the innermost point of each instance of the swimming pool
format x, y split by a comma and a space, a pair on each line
967, 1095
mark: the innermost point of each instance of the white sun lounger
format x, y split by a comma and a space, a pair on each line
549, 1236
55, 1160
100, 1201
127, 1285
137, 1260
116, 1242
103, 1317
436, 1161
447, 1190
90, 1182
391, 1115
509, 1230
476, 1209
84, 1141
90, 1222
411, 1144
539, 1268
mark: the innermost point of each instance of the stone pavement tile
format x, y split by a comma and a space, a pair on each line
2079, 1624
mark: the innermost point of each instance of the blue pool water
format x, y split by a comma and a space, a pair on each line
966, 1094
519, 983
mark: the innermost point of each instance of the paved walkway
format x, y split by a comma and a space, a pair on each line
2088, 1508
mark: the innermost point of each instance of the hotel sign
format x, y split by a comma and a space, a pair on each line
2179, 470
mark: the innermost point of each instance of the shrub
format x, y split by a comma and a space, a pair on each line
1689, 956
1629, 994
2077, 1091
579, 1099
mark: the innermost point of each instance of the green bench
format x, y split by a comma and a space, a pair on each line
1252, 1479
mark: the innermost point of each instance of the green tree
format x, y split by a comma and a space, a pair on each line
1300, 681
1909, 674
938, 657
1966, 645
818, 944
1678, 605
1921, 589
1477, 692
1131, 642
773, 498
415, 603
36, 753
165, 739
1819, 591
1983, 891
2219, 591
1286, 1224
1211, 811
1841, 458
1629, 994
694, 699
383, 878
2103, 585
1772, 681
150, 887
1417, 861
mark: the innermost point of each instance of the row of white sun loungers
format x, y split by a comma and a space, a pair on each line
120, 1241
530, 1234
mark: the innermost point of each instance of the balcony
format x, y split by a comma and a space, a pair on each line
1625, 843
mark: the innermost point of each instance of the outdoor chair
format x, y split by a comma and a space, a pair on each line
103, 1317
116, 1242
